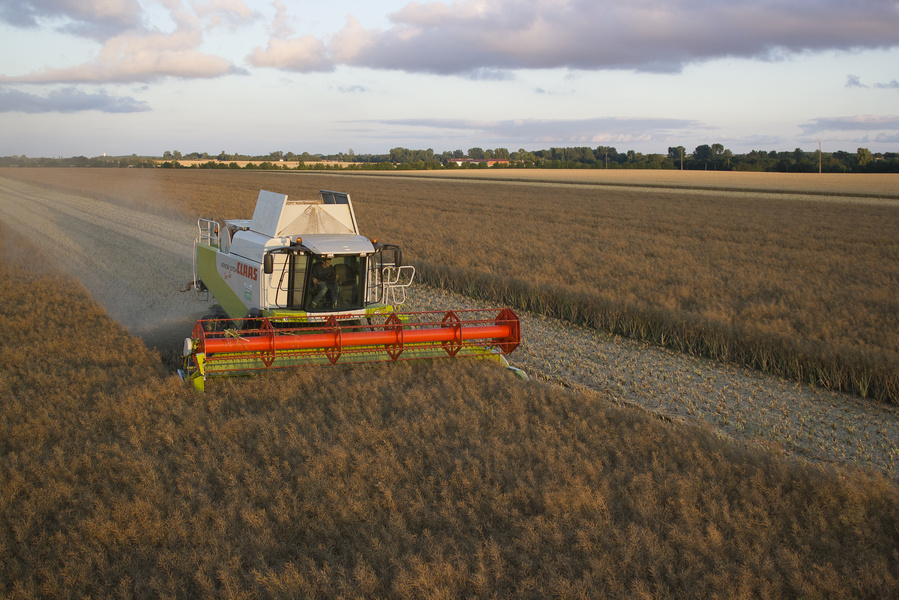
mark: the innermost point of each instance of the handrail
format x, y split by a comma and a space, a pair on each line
209, 232
395, 280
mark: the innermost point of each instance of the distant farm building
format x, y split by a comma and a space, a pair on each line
491, 162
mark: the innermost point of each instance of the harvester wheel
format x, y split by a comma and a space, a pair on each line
216, 322
253, 320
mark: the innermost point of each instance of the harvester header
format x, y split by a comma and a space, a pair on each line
299, 285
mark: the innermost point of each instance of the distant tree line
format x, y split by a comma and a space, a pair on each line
711, 157
79, 161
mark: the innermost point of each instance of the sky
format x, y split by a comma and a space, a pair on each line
122, 77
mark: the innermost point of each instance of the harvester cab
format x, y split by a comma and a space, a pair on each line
267, 265
298, 284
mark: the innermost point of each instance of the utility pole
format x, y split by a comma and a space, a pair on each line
819, 157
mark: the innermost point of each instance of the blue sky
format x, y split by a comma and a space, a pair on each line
87, 77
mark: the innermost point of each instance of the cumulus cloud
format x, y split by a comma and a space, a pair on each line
853, 123
102, 19
478, 39
281, 26
231, 14
131, 51
304, 54
92, 18
854, 81
468, 36
143, 55
138, 57
68, 100
489, 75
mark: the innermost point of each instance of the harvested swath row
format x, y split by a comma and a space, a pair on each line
804, 420
404, 481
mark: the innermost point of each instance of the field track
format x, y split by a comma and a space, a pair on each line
133, 264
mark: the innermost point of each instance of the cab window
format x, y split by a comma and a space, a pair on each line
349, 271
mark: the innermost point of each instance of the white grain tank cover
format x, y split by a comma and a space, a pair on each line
275, 216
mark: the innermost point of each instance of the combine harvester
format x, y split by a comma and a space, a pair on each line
298, 285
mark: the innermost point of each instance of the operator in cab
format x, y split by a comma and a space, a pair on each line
324, 280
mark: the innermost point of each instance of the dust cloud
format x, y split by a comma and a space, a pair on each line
133, 263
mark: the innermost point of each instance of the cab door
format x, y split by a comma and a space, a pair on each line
298, 268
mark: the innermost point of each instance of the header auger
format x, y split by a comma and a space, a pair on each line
298, 285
